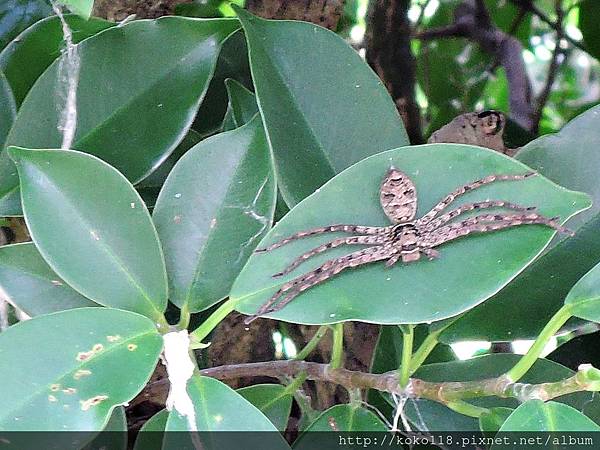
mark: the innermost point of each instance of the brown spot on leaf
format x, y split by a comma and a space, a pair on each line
69, 390
87, 404
131, 347
55, 387
82, 356
82, 373
113, 338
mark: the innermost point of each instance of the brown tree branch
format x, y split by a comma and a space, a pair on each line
389, 54
529, 6
326, 13
442, 392
555, 64
472, 21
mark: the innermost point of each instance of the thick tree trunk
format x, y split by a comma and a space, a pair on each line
326, 13
389, 54
118, 10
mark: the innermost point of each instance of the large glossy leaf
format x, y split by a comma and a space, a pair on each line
338, 418
151, 434
468, 272
589, 15
8, 108
114, 434
132, 110
569, 158
30, 284
232, 63
272, 400
535, 415
584, 298
491, 421
16, 15
93, 229
216, 204
150, 187
323, 107
81, 7
67, 371
26, 58
429, 415
241, 106
220, 408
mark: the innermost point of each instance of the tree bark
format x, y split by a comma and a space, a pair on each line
118, 10
326, 13
390, 55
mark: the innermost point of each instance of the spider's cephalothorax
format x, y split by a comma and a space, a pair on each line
406, 239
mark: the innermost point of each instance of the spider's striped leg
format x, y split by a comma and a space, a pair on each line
444, 218
552, 222
358, 229
466, 188
486, 223
353, 240
295, 287
431, 253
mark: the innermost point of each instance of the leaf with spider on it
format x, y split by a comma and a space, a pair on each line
468, 269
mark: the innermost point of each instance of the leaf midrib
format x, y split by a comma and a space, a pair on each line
118, 263
281, 78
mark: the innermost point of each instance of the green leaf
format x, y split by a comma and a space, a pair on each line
272, 400
16, 15
82, 8
216, 204
426, 414
30, 284
114, 434
151, 434
407, 293
589, 16
490, 422
232, 63
26, 58
339, 418
535, 415
220, 408
8, 109
241, 106
324, 432
569, 158
323, 108
150, 187
67, 371
584, 298
132, 110
113, 256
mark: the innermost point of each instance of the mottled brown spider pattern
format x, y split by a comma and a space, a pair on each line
406, 239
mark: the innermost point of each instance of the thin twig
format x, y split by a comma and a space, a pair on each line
529, 6
555, 64
442, 392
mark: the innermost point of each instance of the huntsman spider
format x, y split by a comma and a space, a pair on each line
406, 239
